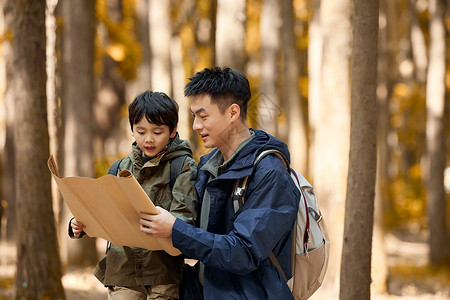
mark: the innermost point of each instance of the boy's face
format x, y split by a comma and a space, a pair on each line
151, 138
209, 122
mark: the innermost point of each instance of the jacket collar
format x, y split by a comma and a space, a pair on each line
240, 163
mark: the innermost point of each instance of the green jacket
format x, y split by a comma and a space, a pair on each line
130, 266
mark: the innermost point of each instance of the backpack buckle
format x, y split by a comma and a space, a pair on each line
239, 192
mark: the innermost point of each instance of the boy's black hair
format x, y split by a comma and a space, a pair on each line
225, 86
157, 107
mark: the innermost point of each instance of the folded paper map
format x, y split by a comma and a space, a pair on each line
109, 207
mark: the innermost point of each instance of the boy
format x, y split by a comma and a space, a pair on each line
135, 273
233, 250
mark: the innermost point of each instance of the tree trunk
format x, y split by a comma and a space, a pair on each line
110, 96
418, 45
435, 137
230, 34
331, 127
359, 205
384, 90
268, 103
160, 36
53, 109
179, 76
314, 78
77, 100
38, 264
143, 78
297, 139
9, 183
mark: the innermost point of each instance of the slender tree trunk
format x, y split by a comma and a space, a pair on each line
315, 49
53, 109
38, 265
143, 78
435, 136
160, 36
77, 100
111, 88
213, 31
331, 126
230, 34
379, 257
359, 205
268, 103
9, 183
418, 45
179, 77
297, 138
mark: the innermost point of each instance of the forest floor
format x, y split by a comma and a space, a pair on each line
409, 277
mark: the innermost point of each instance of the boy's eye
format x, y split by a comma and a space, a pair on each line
157, 133
140, 132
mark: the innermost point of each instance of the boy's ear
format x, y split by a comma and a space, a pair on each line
235, 111
173, 133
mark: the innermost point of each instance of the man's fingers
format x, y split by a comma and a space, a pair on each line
146, 216
145, 222
146, 229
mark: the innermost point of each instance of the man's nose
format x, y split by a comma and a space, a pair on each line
196, 125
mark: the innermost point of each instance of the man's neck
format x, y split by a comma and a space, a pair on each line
234, 138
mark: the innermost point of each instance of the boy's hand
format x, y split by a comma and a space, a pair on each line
160, 225
77, 227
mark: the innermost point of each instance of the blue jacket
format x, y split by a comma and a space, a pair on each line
234, 251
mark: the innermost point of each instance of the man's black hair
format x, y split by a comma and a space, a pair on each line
157, 107
225, 86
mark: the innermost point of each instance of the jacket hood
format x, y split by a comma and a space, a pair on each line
243, 162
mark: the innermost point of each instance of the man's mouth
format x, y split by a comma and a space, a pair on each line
204, 136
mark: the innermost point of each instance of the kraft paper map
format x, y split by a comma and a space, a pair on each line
109, 207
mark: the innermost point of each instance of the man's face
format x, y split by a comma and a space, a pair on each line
151, 138
209, 122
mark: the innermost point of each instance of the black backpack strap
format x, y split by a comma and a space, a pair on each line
176, 165
113, 171
114, 167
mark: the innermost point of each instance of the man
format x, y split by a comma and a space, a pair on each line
233, 249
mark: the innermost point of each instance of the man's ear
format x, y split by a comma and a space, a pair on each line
235, 112
173, 133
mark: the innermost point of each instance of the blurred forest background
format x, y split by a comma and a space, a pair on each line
68, 70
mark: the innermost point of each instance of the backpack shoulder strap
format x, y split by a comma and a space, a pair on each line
176, 165
113, 171
239, 196
240, 186
114, 167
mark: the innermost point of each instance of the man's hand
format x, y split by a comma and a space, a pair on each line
77, 227
160, 225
